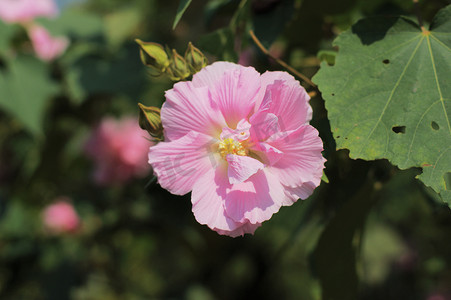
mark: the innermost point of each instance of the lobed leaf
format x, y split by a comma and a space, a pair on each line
388, 95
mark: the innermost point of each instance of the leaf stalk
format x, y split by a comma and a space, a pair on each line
279, 61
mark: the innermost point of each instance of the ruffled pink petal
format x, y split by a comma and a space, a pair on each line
267, 153
240, 231
289, 100
241, 132
180, 163
302, 164
256, 199
264, 125
242, 167
235, 94
208, 197
187, 109
210, 75
300, 192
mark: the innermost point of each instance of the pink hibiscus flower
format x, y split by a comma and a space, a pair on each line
241, 142
60, 217
46, 47
21, 11
119, 149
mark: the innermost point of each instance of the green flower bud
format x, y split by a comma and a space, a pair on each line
195, 59
177, 70
153, 55
150, 120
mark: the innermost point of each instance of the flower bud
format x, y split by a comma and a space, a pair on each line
177, 70
149, 120
195, 59
153, 55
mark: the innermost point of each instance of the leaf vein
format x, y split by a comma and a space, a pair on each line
440, 42
438, 84
416, 129
392, 93
372, 59
436, 162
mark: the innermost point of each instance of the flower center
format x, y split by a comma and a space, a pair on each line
231, 146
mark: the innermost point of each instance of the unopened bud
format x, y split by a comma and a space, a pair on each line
150, 120
177, 70
195, 59
153, 55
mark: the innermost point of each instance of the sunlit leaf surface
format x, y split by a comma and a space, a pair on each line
388, 95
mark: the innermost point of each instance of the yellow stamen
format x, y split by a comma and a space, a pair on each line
230, 146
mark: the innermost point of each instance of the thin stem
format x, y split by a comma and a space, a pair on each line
279, 61
418, 13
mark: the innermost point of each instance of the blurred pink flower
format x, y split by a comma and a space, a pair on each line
241, 142
119, 149
21, 11
61, 217
46, 47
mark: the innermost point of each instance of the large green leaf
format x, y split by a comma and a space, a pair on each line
388, 95
25, 89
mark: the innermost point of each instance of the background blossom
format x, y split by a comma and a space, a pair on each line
119, 150
21, 11
46, 47
240, 141
25, 12
60, 217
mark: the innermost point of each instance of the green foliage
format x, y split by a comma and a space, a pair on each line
224, 42
388, 94
220, 43
75, 23
342, 234
183, 5
267, 14
25, 91
6, 32
327, 56
91, 74
120, 25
